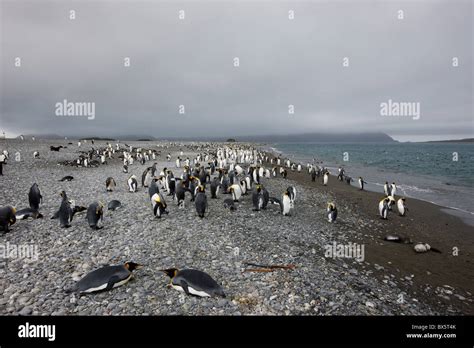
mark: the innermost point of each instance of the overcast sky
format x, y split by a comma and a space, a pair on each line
283, 62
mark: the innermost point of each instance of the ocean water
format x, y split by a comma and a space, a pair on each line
441, 173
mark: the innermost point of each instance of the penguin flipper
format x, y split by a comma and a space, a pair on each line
112, 281
184, 285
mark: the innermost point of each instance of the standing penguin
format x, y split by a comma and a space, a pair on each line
110, 184
383, 208
387, 189
95, 212
193, 282
7, 218
65, 212
257, 198
332, 212
105, 278
34, 197
215, 187
285, 205
391, 201
361, 183
201, 201
236, 192
313, 174
159, 205
325, 178
393, 189
180, 194
292, 193
146, 177
402, 209
153, 188
132, 183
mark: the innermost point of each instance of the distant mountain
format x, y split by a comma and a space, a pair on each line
465, 140
322, 138
123, 137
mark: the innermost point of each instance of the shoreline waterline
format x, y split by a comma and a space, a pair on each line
426, 194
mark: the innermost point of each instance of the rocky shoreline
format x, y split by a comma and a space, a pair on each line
387, 282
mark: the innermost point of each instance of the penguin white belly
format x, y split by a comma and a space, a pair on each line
286, 205
191, 291
330, 216
103, 286
383, 210
401, 207
326, 178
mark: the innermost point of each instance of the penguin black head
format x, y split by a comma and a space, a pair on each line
132, 266
170, 272
201, 188
63, 194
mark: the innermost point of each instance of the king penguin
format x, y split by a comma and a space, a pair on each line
7, 218
401, 206
105, 278
110, 184
34, 197
201, 201
325, 178
383, 207
194, 282
332, 212
95, 212
65, 212
159, 205
132, 183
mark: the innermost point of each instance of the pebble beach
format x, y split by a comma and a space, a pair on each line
391, 279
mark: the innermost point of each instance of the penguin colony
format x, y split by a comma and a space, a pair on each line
236, 172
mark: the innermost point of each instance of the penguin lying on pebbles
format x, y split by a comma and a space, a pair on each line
229, 204
7, 218
67, 178
114, 205
95, 212
105, 278
26, 213
194, 282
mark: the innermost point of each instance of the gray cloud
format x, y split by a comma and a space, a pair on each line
282, 62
